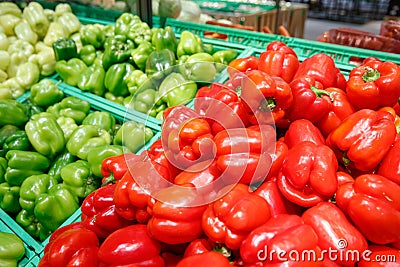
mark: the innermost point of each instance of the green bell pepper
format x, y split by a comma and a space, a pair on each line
159, 63
175, 89
3, 169
100, 153
9, 198
116, 51
164, 38
56, 31
45, 135
133, 135
71, 107
45, 93
157, 110
13, 112
225, 56
60, 162
32, 188
17, 141
124, 23
92, 34
109, 30
70, 70
135, 80
65, 49
77, 178
27, 75
44, 58
140, 32
22, 164
208, 48
31, 225
70, 22
88, 54
11, 249
6, 131
189, 44
144, 101
141, 53
92, 80
100, 118
85, 137
116, 78
113, 98
200, 68
67, 125
23, 31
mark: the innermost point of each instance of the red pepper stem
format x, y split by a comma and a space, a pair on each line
370, 75
109, 180
321, 92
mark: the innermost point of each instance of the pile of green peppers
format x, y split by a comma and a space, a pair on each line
141, 68
11, 249
51, 151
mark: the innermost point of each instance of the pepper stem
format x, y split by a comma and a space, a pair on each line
268, 105
320, 92
238, 91
370, 75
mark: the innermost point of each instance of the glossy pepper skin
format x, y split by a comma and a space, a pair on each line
45, 93
283, 232
102, 119
116, 51
204, 259
144, 250
159, 63
341, 109
310, 100
92, 80
242, 65
11, 249
45, 135
79, 247
92, 34
60, 162
70, 70
113, 168
99, 212
263, 94
164, 38
100, 153
372, 204
17, 141
378, 254
363, 138
390, 164
71, 107
231, 218
9, 198
303, 130
308, 174
22, 164
189, 44
278, 62
332, 226
78, 178
374, 85
130, 199
178, 220
133, 135
115, 79
13, 113
176, 90
323, 69
65, 49
141, 53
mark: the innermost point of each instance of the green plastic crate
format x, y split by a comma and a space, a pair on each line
34, 245
34, 262
29, 251
230, 6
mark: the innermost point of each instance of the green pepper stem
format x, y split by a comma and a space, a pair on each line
268, 105
321, 92
370, 75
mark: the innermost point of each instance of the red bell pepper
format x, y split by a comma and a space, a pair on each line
380, 256
390, 164
341, 109
205, 260
229, 219
276, 239
244, 154
308, 174
372, 202
73, 247
280, 46
374, 85
278, 156
157, 155
344, 177
113, 168
303, 130
266, 95
323, 69
130, 246
131, 200
395, 115
310, 100
363, 139
198, 246
277, 62
176, 215
335, 232
242, 65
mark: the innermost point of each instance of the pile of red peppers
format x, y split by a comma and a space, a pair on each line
285, 159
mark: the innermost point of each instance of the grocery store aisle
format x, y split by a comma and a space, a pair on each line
315, 27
